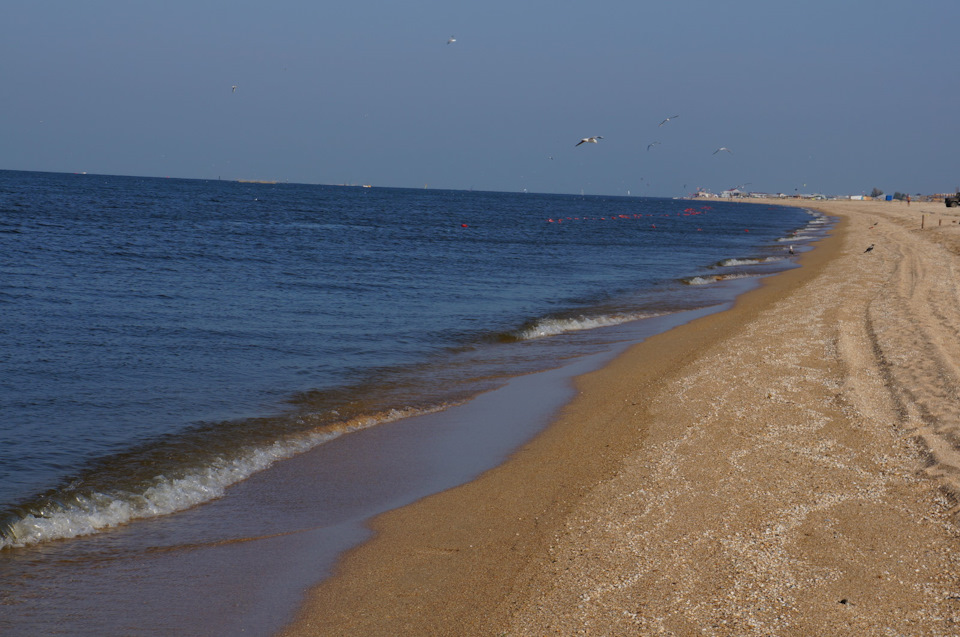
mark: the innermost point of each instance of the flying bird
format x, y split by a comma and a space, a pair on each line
588, 140
451, 40
722, 148
667, 120
651, 145
234, 88
868, 249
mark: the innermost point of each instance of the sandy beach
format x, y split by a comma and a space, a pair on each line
788, 467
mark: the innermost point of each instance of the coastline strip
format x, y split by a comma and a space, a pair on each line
787, 466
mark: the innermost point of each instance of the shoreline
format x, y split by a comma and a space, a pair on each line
683, 491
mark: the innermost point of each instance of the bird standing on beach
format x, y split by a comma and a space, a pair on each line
722, 148
868, 249
667, 120
588, 140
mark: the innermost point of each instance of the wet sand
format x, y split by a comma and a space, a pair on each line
786, 467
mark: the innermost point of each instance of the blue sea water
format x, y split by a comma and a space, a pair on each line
163, 339
163, 342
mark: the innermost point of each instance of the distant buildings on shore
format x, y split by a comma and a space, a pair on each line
735, 193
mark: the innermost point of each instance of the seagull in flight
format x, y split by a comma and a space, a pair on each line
667, 120
234, 88
651, 145
588, 140
451, 40
722, 148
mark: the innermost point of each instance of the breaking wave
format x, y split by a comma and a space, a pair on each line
68, 515
728, 263
714, 278
555, 326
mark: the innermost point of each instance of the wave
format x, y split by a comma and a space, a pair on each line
555, 326
69, 515
714, 278
77, 510
727, 263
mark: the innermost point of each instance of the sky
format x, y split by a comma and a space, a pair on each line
822, 96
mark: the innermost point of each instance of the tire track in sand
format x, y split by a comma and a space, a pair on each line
914, 326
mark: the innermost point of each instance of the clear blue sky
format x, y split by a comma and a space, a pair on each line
832, 96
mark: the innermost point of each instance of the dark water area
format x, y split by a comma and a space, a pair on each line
179, 355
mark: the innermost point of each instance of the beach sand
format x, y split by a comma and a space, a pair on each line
787, 467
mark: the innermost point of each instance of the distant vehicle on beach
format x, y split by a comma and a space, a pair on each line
952, 200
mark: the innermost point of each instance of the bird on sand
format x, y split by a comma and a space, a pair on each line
651, 145
868, 249
667, 120
722, 148
588, 140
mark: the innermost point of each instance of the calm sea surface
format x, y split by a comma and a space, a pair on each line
162, 340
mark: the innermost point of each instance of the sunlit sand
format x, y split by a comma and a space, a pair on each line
788, 467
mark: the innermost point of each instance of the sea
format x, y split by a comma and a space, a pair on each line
208, 387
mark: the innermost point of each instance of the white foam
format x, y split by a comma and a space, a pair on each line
87, 515
707, 280
554, 327
701, 280
754, 261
